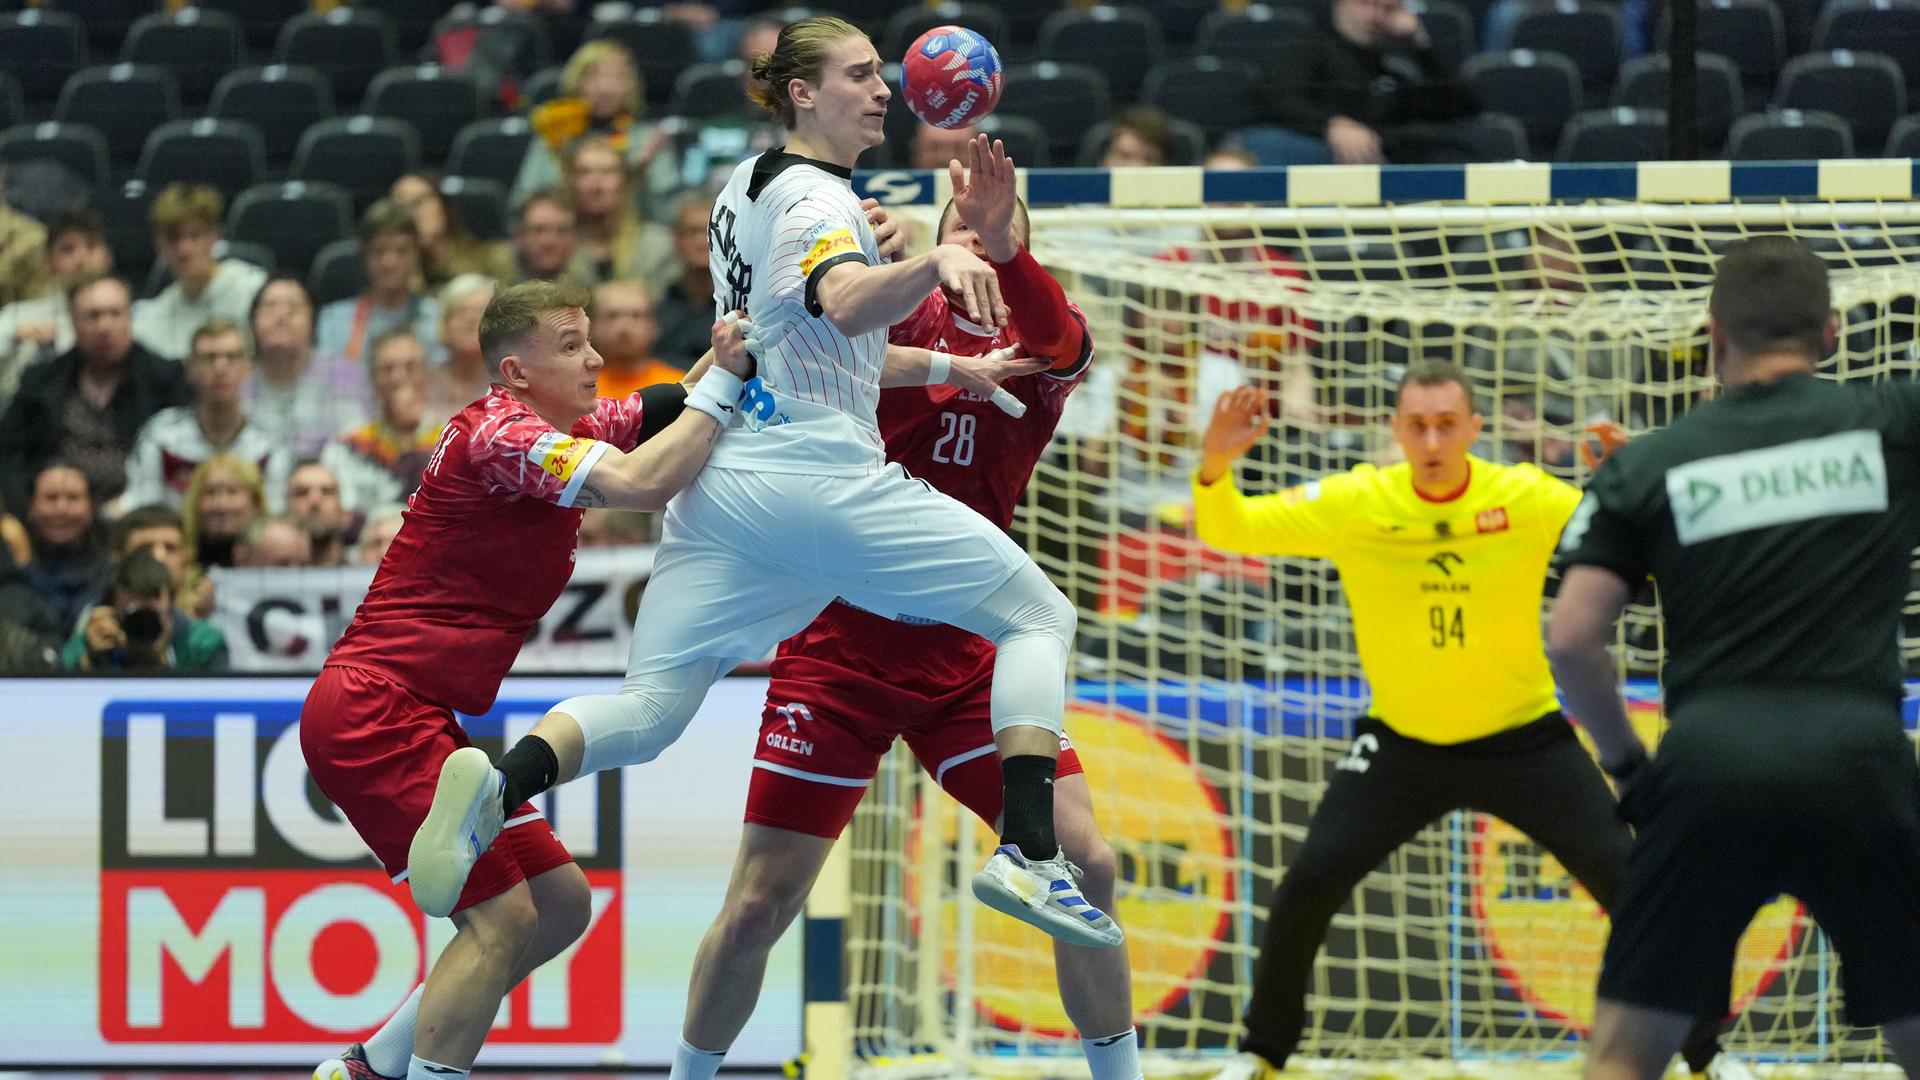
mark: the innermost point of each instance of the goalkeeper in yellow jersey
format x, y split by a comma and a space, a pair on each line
1444, 559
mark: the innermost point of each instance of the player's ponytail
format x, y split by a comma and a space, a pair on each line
801, 53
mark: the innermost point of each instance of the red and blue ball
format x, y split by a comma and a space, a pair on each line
952, 77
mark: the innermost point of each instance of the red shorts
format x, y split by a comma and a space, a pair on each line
820, 743
376, 750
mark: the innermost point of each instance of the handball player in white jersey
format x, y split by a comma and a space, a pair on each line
798, 504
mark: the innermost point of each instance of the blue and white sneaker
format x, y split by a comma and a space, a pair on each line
1042, 892
465, 817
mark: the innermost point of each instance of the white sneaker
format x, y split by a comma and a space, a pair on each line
1725, 1066
1042, 892
464, 819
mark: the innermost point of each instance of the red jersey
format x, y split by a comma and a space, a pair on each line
965, 446
485, 548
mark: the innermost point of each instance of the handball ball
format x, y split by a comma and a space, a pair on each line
952, 77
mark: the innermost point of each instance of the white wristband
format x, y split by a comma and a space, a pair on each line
716, 394
937, 369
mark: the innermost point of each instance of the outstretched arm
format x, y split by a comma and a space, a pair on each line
985, 196
659, 468
909, 366
859, 299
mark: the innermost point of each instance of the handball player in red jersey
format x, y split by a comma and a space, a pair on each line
486, 548
849, 684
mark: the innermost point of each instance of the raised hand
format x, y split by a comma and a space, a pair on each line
1611, 436
1239, 419
985, 196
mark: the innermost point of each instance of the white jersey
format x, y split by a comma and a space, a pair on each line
781, 222
171, 445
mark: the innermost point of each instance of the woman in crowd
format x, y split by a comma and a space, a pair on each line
600, 94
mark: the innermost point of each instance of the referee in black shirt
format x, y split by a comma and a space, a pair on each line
1779, 522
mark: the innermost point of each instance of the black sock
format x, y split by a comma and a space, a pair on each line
530, 769
1027, 812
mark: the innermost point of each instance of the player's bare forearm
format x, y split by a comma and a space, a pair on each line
656, 471
859, 299
905, 366
1578, 635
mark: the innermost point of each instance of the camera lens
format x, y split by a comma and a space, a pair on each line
142, 627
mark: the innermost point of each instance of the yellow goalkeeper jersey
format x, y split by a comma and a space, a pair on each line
1446, 596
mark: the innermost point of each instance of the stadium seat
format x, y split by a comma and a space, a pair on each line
1025, 139
197, 46
1123, 43
491, 149
1789, 135
438, 102
295, 219
1589, 34
125, 211
13, 109
1215, 95
41, 49
1066, 99
338, 273
76, 146
1750, 34
481, 204
1258, 34
1904, 141
1504, 137
1888, 27
1179, 19
1451, 28
123, 102
364, 155
1023, 28
1189, 143
708, 90
229, 155
280, 100
260, 20
907, 24
516, 41
541, 87
1864, 89
105, 22
662, 48
1618, 135
1643, 84
1541, 90
414, 22
350, 45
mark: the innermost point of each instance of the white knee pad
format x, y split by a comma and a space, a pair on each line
644, 718
1032, 625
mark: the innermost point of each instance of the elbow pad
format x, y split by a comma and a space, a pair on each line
660, 405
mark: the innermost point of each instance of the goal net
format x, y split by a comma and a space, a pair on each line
1214, 694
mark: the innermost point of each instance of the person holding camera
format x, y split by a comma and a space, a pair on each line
138, 627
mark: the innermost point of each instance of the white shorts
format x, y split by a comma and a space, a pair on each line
747, 559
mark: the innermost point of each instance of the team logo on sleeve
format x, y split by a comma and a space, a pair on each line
827, 240
559, 454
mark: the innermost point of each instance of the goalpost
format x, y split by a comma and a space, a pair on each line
1214, 694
